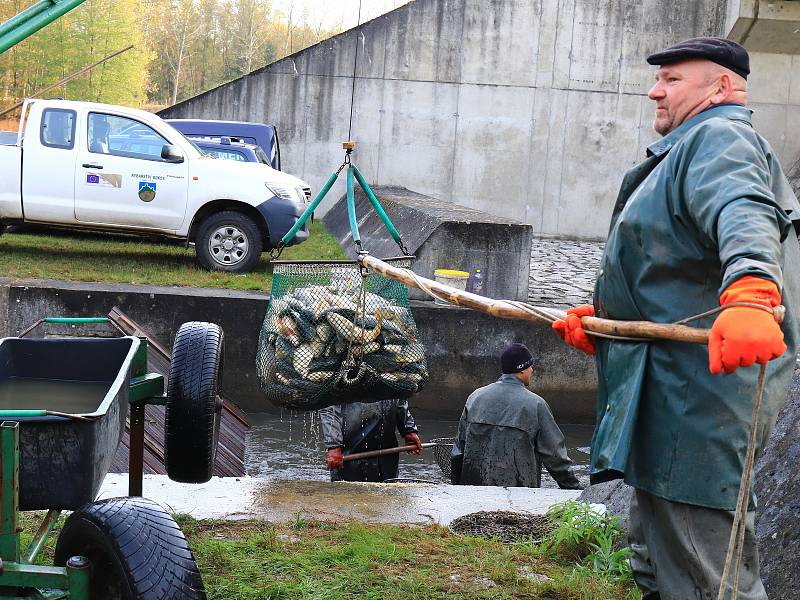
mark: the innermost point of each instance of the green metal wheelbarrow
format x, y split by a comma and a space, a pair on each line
63, 407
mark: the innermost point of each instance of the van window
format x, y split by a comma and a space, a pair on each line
58, 128
121, 136
226, 154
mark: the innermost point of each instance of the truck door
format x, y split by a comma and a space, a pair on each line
121, 179
48, 166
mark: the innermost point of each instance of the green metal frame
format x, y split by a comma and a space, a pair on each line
32, 19
19, 579
352, 173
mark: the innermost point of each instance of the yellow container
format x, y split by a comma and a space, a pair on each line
451, 277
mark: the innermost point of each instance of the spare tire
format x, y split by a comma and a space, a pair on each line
191, 421
136, 551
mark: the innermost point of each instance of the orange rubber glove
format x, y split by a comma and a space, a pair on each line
413, 438
334, 459
743, 335
571, 331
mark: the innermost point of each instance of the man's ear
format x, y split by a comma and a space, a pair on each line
724, 89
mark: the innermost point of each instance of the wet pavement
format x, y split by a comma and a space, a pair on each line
283, 501
286, 446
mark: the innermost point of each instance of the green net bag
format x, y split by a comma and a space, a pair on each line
335, 333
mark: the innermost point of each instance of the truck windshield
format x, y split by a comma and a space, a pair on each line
262, 156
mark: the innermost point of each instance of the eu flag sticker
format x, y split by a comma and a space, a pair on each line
147, 191
92, 178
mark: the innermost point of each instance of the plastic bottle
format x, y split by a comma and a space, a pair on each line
477, 282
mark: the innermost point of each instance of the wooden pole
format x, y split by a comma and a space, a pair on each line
507, 309
384, 451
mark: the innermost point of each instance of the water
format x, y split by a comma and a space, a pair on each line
290, 446
75, 397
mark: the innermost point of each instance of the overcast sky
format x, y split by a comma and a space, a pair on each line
336, 12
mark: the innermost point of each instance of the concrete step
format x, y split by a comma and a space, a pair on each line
281, 501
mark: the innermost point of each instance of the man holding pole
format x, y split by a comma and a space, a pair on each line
360, 427
704, 222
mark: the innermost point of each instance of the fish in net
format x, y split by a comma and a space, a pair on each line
334, 333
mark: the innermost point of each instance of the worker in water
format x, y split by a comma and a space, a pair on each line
507, 432
704, 221
360, 427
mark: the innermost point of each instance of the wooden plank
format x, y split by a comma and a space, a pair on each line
233, 421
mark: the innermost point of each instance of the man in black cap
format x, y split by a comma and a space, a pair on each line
506, 432
704, 222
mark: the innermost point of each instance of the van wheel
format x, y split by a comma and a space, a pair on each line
229, 241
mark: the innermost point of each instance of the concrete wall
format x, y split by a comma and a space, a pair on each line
527, 109
462, 345
444, 236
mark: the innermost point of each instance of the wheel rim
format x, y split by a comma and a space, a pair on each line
228, 245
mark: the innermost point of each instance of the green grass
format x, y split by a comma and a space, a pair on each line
313, 560
124, 259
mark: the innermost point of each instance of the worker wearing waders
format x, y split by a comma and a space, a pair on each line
360, 427
704, 221
507, 432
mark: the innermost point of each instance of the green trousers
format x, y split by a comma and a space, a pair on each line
679, 550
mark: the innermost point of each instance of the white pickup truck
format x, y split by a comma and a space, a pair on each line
110, 168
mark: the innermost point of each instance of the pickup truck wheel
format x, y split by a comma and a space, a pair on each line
229, 241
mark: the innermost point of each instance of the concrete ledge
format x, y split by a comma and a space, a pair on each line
280, 501
442, 235
462, 345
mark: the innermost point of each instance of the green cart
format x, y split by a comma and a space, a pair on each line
63, 407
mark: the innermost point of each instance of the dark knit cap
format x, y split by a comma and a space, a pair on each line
719, 50
515, 358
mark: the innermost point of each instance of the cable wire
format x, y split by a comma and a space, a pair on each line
355, 64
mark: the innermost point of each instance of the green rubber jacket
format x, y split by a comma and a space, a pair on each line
709, 205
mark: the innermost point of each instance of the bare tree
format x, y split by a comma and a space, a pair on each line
181, 28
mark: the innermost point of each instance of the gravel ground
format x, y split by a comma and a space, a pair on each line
563, 271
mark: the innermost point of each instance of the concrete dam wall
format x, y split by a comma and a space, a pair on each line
526, 109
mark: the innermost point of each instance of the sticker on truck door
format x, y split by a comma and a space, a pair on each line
112, 180
147, 191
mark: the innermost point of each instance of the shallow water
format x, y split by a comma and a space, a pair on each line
286, 446
74, 397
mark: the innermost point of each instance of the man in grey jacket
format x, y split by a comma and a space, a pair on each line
507, 432
359, 427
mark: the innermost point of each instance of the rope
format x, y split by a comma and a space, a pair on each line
736, 540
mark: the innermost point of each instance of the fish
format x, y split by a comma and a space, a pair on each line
302, 359
310, 334
350, 331
320, 376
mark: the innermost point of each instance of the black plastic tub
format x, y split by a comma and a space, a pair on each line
63, 460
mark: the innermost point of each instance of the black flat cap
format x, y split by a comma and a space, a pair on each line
719, 50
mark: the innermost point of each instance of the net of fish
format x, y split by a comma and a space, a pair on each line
334, 333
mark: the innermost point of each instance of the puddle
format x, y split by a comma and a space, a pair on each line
289, 447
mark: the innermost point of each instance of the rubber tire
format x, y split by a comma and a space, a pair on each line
136, 551
244, 224
193, 409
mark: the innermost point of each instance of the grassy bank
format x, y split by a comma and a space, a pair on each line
123, 259
257, 560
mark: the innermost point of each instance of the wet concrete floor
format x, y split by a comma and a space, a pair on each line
283, 501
